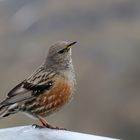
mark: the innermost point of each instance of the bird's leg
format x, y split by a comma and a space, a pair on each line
45, 124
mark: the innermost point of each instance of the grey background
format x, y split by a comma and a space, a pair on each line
106, 59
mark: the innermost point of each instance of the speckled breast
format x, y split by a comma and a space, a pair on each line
53, 100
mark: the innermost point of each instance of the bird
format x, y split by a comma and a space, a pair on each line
47, 90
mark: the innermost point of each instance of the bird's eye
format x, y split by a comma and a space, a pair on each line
62, 51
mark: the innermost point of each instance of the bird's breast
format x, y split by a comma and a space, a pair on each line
51, 101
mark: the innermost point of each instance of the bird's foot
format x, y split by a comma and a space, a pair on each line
55, 127
37, 126
48, 126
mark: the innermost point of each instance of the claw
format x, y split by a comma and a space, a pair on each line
37, 126
45, 124
54, 127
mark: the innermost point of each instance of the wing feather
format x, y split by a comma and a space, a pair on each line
27, 89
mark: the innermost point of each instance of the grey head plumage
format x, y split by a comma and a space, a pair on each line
59, 56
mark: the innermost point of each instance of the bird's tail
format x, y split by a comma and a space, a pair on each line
8, 110
3, 111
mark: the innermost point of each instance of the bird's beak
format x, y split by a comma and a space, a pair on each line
71, 44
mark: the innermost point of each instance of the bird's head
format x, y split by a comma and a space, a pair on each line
60, 54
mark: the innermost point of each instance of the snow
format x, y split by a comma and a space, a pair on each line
31, 133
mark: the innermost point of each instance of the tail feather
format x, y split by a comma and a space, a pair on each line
8, 110
3, 111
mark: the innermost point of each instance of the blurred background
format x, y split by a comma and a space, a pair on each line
106, 59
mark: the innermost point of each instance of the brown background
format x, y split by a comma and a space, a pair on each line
106, 59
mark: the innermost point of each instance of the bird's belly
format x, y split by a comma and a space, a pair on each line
50, 102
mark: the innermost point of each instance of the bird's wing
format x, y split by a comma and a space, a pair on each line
30, 88
17, 94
